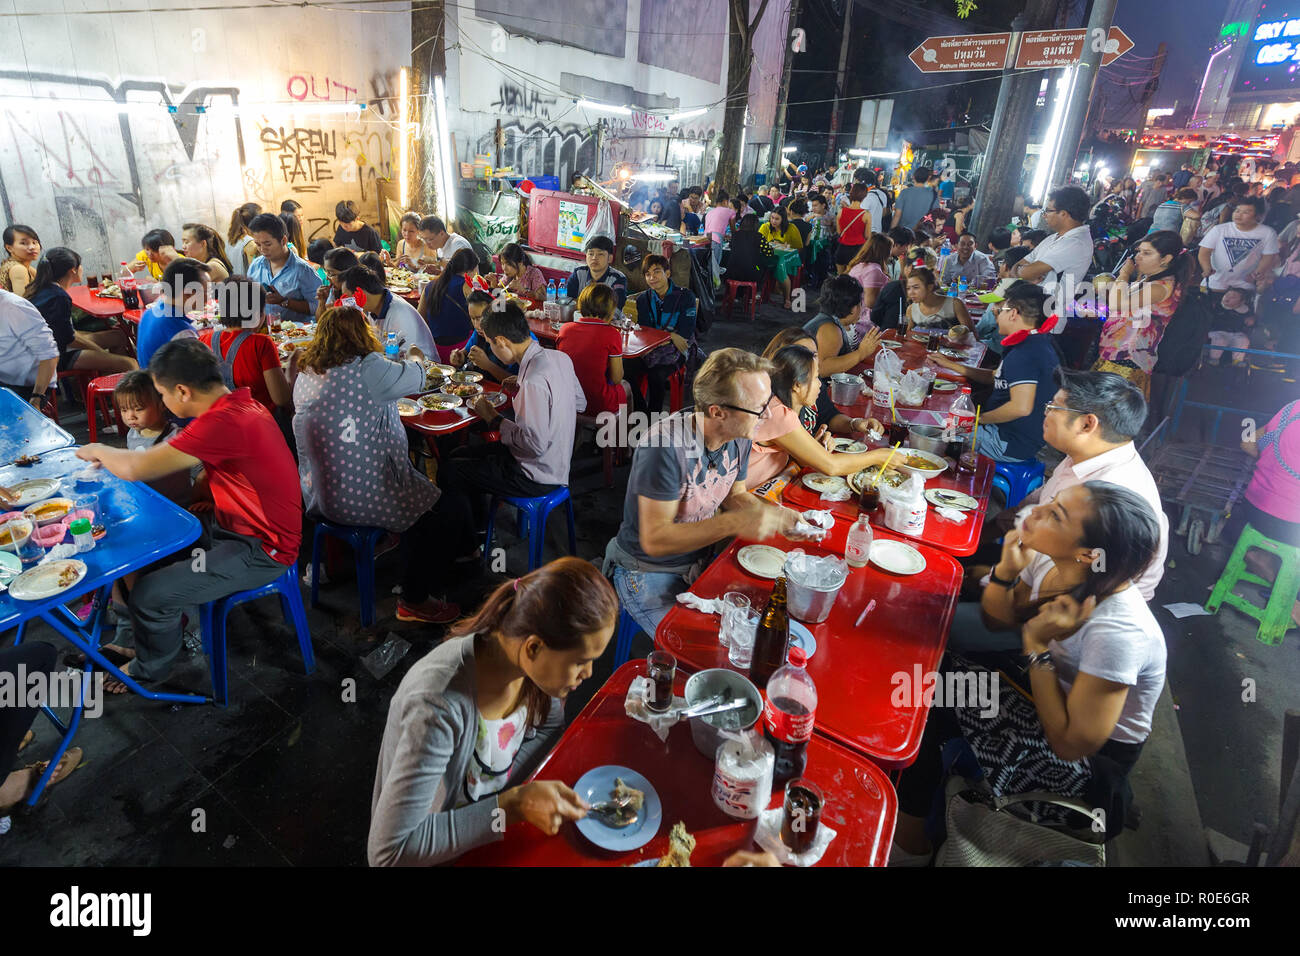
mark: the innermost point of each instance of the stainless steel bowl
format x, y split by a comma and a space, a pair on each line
731, 684
927, 438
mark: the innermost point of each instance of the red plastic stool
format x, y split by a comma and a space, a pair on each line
99, 397
676, 385
733, 290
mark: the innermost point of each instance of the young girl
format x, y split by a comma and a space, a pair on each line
202, 243
22, 249
471, 720
596, 348
60, 269
411, 252
930, 309
1233, 320
240, 247
334, 263
522, 277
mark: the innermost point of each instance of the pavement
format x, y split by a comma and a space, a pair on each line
284, 775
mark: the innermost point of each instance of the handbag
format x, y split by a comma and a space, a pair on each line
982, 831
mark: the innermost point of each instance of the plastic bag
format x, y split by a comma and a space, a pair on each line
905, 507
385, 657
911, 389
603, 224
886, 371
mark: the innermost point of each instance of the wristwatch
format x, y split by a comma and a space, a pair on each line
1001, 582
1042, 659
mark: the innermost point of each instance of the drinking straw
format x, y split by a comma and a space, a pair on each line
893, 415
888, 459
974, 433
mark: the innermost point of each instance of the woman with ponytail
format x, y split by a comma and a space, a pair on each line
58, 269
240, 248
472, 719
1151, 285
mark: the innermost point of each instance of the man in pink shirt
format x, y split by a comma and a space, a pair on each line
716, 221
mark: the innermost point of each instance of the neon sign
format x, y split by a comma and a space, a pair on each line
1271, 53
1278, 28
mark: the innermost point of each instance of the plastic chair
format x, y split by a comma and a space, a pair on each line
627, 630
733, 290
609, 454
99, 397
1275, 616
77, 382
676, 387
363, 541
213, 616
533, 513
1016, 479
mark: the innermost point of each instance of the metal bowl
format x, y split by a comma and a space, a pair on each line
927, 438
721, 680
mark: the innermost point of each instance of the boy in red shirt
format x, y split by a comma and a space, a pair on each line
596, 349
257, 505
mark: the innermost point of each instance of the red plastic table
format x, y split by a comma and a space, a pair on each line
637, 342
853, 665
959, 539
433, 424
860, 802
90, 302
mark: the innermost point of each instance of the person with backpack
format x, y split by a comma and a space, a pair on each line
1143, 302
915, 202
247, 355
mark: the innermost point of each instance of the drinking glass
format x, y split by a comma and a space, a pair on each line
86, 503
17, 537
661, 668
802, 814
740, 636
731, 602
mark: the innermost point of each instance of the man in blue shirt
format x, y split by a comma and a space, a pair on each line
600, 253
290, 281
662, 306
184, 289
1011, 423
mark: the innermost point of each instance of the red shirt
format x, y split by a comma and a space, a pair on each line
251, 473
589, 343
853, 226
256, 355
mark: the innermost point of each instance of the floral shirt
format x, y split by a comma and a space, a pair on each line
495, 749
1134, 339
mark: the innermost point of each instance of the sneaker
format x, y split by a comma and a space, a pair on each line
431, 611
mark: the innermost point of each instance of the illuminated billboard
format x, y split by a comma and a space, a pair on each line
1271, 63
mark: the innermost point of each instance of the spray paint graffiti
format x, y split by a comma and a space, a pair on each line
515, 100
541, 150
303, 87
301, 156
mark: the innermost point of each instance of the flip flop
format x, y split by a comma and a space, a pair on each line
27, 738
70, 761
78, 659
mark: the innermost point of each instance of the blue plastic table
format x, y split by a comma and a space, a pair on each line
25, 431
143, 526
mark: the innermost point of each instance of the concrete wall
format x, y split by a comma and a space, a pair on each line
652, 55
95, 179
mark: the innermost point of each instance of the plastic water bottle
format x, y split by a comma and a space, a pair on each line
789, 714
962, 285
130, 291
947, 248
391, 347
961, 418
857, 547
550, 290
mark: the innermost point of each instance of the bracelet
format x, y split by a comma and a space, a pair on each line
1042, 660
1001, 582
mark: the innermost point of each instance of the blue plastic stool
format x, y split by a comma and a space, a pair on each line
533, 513
214, 613
628, 629
1016, 479
363, 541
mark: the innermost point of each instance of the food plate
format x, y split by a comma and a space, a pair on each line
497, 399
466, 378
30, 492
891, 345
48, 512
942, 385
896, 557
848, 446
822, 483
439, 369
407, 408
947, 498
46, 580
595, 786
762, 561
910, 459
441, 401
952, 353
800, 636
466, 390
892, 478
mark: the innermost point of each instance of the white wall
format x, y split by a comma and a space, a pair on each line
86, 176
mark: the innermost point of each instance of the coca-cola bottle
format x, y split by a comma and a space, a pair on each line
130, 291
960, 421
772, 637
788, 716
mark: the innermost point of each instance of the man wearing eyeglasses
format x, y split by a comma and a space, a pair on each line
1067, 252
686, 491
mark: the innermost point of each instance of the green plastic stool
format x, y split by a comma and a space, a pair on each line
1275, 617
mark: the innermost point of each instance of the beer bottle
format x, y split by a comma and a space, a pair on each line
772, 638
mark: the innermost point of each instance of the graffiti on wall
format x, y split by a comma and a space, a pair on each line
516, 100
542, 150
301, 158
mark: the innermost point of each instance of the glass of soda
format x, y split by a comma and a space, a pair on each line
802, 814
897, 431
92, 282
869, 497
967, 461
661, 668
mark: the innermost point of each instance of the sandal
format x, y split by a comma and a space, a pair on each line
27, 739
113, 653
70, 761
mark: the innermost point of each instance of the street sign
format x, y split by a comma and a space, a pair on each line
1049, 49
981, 51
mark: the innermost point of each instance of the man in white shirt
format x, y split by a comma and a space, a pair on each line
1066, 255
966, 261
433, 231
875, 201
29, 356
1240, 254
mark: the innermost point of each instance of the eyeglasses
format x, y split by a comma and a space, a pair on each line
1053, 407
764, 412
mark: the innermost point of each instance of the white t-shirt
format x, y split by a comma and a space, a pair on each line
25, 340
1068, 255
404, 319
455, 242
874, 203
1122, 642
1235, 254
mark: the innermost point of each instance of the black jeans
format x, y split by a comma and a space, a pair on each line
656, 378
488, 469
439, 536
31, 656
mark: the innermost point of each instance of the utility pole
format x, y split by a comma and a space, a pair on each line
839, 85
1004, 157
1153, 84
776, 159
1080, 95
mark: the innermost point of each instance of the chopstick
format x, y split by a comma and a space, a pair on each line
865, 611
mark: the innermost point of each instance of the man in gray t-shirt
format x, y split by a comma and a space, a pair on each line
915, 202
687, 488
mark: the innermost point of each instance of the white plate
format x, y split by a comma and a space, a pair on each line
900, 462
896, 557
42, 581
855, 480
38, 489
849, 447
449, 401
762, 560
496, 399
407, 408
10, 566
821, 483
66, 504
947, 498
942, 386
